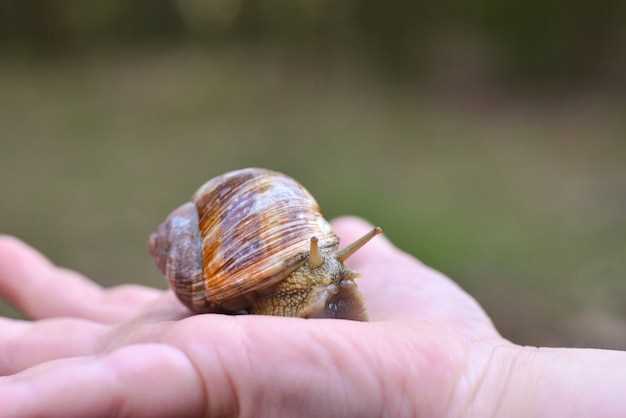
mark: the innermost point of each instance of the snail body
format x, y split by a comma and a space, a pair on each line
255, 241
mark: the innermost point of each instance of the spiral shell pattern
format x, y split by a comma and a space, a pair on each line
255, 224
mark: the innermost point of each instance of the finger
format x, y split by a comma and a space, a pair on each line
131, 295
39, 289
140, 381
24, 344
150, 325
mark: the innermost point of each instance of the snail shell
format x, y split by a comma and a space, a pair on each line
254, 240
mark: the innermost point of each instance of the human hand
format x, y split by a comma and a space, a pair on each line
429, 349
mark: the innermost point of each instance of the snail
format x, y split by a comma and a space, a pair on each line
254, 241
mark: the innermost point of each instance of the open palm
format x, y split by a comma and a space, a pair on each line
135, 351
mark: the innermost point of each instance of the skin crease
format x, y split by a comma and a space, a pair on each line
430, 351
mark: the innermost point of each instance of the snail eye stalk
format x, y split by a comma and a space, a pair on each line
346, 252
315, 259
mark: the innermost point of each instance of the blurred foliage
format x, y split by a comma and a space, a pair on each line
536, 39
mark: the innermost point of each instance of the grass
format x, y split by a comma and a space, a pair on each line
522, 202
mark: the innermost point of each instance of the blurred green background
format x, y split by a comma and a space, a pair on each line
488, 139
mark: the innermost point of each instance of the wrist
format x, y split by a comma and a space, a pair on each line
483, 382
507, 380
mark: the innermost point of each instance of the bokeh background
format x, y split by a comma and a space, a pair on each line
488, 139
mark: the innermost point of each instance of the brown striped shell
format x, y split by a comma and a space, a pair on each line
255, 227
254, 223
